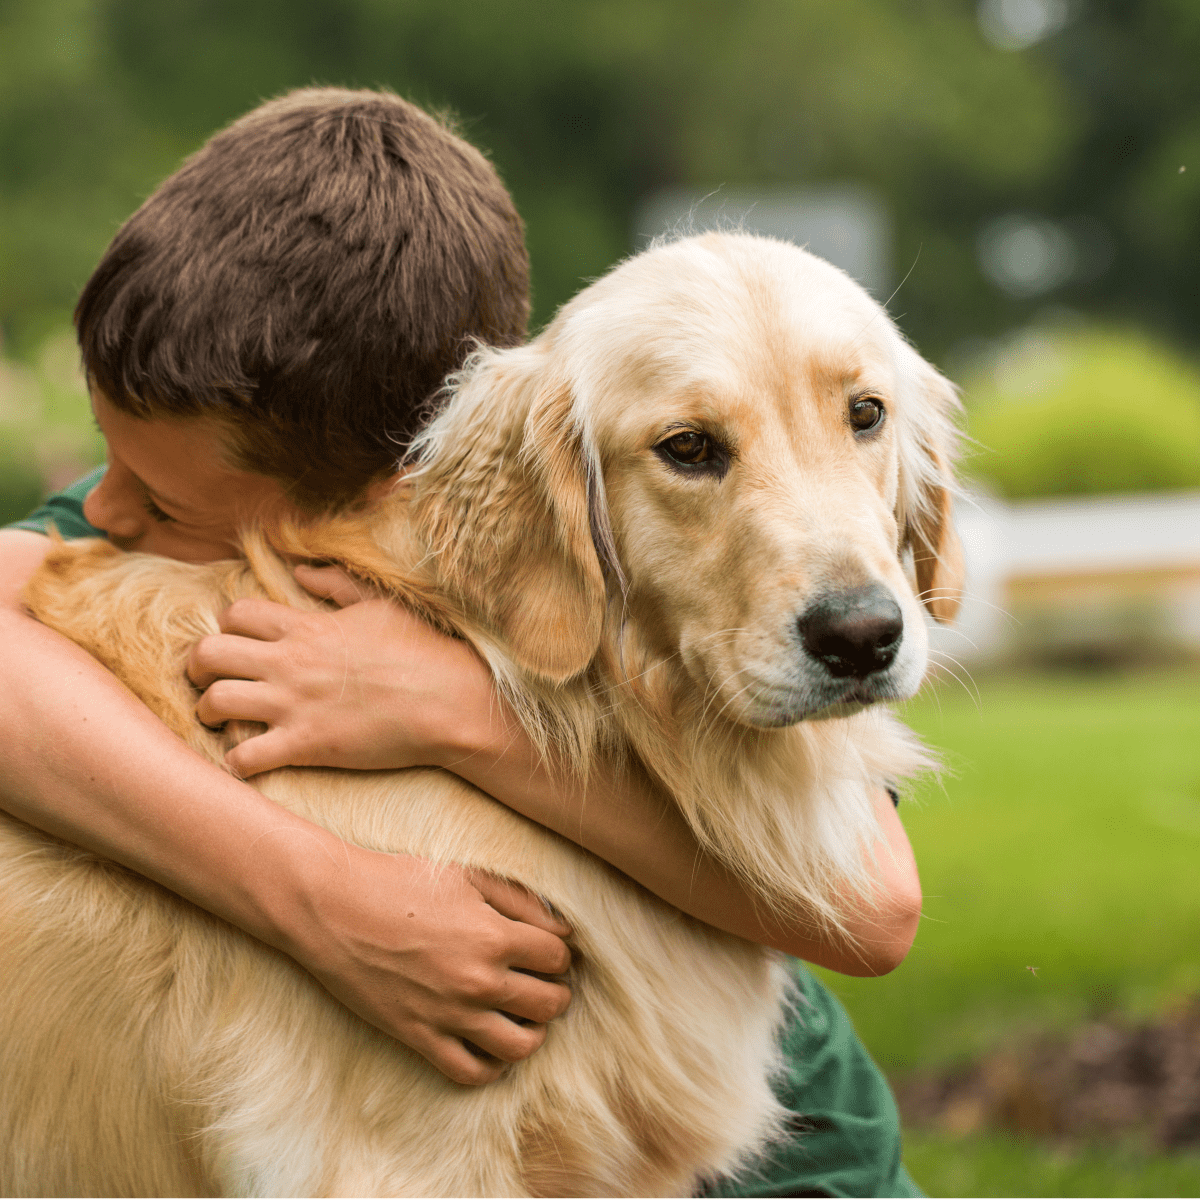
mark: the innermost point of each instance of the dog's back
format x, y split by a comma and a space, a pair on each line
148, 1048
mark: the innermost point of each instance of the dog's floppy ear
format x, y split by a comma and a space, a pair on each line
927, 488
502, 504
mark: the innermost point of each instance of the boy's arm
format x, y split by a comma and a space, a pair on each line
372, 686
429, 957
627, 822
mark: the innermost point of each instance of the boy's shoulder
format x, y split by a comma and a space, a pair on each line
65, 510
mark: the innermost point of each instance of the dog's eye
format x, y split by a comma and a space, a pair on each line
690, 448
866, 414
694, 451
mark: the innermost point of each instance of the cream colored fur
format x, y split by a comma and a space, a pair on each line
147, 1048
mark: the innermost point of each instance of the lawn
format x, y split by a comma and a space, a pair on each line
1065, 836
998, 1165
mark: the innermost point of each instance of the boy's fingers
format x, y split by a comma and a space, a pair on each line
237, 700
518, 903
533, 949
502, 1038
264, 752
225, 656
534, 999
456, 1062
261, 619
332, 583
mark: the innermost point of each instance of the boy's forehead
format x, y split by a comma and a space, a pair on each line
182, 459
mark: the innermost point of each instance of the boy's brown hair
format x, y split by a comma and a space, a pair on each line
309, 277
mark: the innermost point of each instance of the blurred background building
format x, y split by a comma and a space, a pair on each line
848, 225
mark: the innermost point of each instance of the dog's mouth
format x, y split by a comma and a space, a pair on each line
821, 703
861, 694
817, 696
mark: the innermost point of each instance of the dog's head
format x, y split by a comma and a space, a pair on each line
726, 443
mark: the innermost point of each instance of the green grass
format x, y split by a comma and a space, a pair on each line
996, 1165
1067, 838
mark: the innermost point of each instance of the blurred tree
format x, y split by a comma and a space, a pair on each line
586, 105
1132, 68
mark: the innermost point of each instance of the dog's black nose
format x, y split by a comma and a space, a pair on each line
853, 632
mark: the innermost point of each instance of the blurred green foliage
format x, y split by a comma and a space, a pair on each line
47, 436
587, 105
20, 483
1085, 411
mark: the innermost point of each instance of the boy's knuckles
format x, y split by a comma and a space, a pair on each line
308, 626
547, 1008
549, 955
481, 986
511, 1042
560, 958
493, 946
217, 700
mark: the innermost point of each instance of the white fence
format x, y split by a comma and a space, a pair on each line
1087, 568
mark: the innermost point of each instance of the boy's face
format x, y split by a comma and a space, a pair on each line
168, 489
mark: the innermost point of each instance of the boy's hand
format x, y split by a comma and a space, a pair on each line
435, 955
369, 686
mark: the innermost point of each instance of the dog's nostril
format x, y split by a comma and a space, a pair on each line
854, 632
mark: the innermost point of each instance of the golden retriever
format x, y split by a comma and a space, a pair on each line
690, 524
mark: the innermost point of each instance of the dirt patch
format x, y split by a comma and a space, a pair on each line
1107, 1079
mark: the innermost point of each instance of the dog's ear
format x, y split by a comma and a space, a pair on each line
927, 488
501, 502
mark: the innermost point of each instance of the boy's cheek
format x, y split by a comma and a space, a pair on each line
174, 543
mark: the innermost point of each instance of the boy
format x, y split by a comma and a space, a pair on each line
359, 244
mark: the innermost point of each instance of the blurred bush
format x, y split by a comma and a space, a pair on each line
47, 435
20, 484
1083, 411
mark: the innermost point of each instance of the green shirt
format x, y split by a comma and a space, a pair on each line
65, 509
844, 1135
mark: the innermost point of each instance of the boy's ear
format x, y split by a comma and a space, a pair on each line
926, 492
501, 503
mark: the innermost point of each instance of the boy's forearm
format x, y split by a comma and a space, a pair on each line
86, 761
622, 818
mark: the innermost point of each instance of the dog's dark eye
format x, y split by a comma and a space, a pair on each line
690, 448
866, 414
694, 451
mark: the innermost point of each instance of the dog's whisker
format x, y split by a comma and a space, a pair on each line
974, 597
973, 689
721, 632
960, 634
